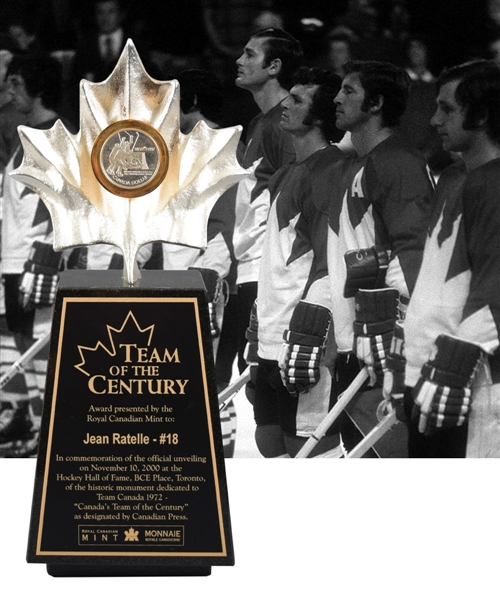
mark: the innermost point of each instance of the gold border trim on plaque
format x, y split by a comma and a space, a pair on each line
41, 515
163, 158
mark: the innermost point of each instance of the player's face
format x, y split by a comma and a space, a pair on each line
349, 102
252, 73
108, 16
449, 120
296, 108
20, 98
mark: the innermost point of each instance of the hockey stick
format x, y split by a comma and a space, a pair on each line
233, 388
332, 416
374, 436
337, 452
18, 365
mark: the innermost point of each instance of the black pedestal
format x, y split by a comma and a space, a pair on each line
130, 475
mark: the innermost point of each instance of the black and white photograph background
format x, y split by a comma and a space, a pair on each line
207, 37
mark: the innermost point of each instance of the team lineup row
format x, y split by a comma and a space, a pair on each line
346, 253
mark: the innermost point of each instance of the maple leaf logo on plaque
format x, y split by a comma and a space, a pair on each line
131, 535
129, 176
94, 356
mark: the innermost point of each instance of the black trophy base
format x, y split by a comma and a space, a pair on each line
56, 570
101, 327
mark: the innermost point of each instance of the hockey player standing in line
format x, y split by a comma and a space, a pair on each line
382, 204
453, 319
34, 83
200, 100
293, 288
265, 69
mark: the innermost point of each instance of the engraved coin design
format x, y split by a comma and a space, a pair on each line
130, 158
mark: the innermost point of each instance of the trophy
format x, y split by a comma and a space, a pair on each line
130, 476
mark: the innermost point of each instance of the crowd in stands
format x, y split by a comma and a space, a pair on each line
210, 34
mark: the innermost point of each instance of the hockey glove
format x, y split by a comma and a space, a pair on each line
366, 269
252, 336
304, 346
394, 375
40, 276
250, 353
443, 393
376, 314
403, 302
213, 286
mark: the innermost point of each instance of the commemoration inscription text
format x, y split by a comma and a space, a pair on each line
132, 467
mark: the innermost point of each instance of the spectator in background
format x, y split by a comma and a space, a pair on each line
339, 52
415, 125
23, 34
312, 32
52, 22
96, 57
417, 60
363, 23
360, 20
399, 21
97, 54
268, 18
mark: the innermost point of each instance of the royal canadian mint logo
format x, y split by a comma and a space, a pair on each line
130, 158
124, 535
131, 535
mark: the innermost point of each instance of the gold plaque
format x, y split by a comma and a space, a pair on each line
130, 158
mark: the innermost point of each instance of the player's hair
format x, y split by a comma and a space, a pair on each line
322, 107
277, 43
478, 93
382, 79
203, 90
42, 75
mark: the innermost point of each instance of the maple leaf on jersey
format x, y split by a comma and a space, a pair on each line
201, 166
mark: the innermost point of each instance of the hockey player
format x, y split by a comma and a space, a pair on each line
30, 267
265, 69
201, 97
293, 288
453, 319
34, 82
383, 200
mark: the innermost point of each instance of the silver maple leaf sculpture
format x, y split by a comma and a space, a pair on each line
57, 165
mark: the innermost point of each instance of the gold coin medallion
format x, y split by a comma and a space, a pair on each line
130, 158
